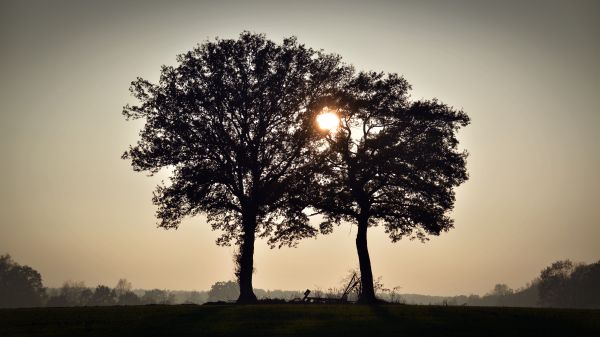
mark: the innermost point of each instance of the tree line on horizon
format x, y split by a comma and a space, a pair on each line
563, 284
235, 121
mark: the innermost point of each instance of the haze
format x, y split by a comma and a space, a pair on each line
527, 75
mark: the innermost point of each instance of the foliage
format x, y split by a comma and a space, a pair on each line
554, 284
157, 296
20, 286
393, 160
501, 289
128, 298
123, 286
565, 284
103, 295
72, 293
195, 297
224, 291
585, 286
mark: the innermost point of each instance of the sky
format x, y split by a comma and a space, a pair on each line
526, 73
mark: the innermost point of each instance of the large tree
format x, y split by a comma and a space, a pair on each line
233, 122
391, 162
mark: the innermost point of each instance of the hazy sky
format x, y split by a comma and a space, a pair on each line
527, 75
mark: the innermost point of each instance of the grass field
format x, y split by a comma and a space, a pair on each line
298, 320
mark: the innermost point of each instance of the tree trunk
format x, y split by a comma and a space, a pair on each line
246, 259
366, 275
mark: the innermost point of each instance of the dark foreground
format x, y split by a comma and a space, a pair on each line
298, 320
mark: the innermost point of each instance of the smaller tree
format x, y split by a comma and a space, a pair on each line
391, 162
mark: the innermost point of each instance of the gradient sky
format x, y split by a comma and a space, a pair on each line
527, 75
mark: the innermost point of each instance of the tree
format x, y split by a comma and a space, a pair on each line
554, 284
501, 290
103, 296
128, 298
20, 286
123, 286
584, 285
567, 284
196, 297
501, 295
72, 293
123, 293
157, 296
391, 162
223, 291
233, 122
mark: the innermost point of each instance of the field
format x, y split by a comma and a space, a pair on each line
298, 320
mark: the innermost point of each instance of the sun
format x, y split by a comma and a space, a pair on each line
328, 120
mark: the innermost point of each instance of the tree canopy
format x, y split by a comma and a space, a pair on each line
232, 121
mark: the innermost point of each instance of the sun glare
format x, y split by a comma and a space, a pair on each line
328, 121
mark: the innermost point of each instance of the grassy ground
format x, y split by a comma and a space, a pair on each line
298, 320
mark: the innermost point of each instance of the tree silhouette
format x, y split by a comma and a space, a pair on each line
128, 298
554, 284
123, 287
223, 291
103, 296
20, 286
157, 296
584, 285
72, 293
232, 120
391, 162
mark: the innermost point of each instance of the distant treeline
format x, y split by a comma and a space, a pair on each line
77, 294
21, 286
562, 284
